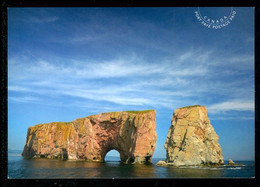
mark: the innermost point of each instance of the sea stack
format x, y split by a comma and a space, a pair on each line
131, 133
191, 139
232, 163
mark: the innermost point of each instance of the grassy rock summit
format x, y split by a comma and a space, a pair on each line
191, 139
131, 133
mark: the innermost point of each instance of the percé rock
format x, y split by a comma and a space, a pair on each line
131, 133
191, 139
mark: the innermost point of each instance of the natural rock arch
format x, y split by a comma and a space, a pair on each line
131, 133
112, 153
122, 156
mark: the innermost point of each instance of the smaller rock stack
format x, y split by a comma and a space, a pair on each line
191, 139
232, 163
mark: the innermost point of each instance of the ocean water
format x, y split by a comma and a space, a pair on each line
113, 168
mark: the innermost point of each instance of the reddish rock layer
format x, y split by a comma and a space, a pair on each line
131, 133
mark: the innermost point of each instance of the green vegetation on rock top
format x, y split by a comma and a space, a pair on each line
133, 112
190, 106
139, 112
33, 128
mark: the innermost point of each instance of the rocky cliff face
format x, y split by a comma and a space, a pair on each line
191, 139
131, 133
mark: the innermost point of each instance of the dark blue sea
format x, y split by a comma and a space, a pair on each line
46, 168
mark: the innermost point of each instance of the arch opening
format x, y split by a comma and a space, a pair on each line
112, 156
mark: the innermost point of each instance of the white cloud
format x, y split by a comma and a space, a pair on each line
186, 55
96, 95
233, 118
18, 89
235, 63
241, 59
139, 85
121, 67
237, 105
43, 19
25, 99
131, 81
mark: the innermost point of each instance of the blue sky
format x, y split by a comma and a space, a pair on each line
67, 63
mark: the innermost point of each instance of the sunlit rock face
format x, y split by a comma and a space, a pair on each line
191, 139
131, 133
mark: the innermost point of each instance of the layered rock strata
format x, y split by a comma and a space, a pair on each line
131, 133
191, 139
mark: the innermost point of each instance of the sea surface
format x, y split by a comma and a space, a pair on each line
113, 168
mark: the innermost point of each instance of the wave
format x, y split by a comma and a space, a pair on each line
235, 168
199, 167
213, 168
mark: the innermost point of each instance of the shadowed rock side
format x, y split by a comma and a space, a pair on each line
131, 133
191, 139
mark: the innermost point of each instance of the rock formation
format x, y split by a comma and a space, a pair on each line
131, 133
191, 139
230, 162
